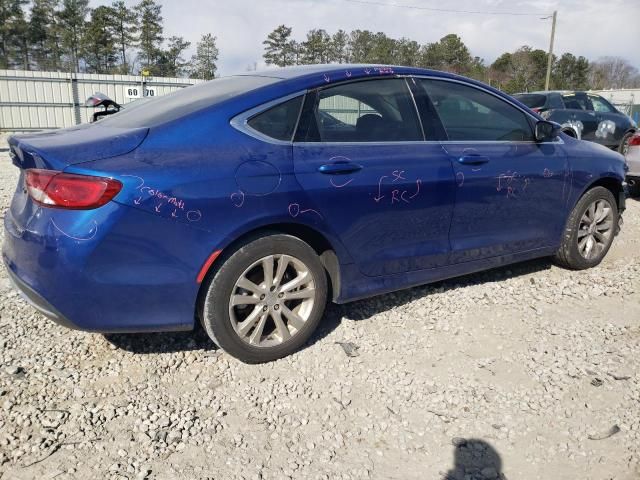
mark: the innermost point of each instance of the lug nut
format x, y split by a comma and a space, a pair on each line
265, 308
280, 295
276, 306
262, 296
273, 288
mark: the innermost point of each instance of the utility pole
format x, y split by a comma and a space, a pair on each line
550, 58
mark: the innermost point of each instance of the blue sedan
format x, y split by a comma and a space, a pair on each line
246, 203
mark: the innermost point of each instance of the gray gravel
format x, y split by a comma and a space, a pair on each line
524, 372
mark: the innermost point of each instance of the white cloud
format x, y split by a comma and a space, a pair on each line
592, 28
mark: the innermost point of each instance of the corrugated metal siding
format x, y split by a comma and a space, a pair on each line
345, 109
46, 100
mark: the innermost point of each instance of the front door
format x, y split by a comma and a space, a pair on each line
360, 156
510, 194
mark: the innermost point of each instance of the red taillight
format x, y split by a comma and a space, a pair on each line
69, 190
634, 141
537, 109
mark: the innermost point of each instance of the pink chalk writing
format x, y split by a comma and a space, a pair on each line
397, 195
547, 173
295, 210
194, 215
237, 198
165, 199
383, 70
460, 178
90, 235
379, 197
326, 78
348, 74
397, 175
340, 185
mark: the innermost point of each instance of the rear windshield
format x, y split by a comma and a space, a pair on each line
532, 100
182, 102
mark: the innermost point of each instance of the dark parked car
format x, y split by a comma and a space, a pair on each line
583, 115
247, 202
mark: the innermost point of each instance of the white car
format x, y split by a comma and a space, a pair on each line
632, 156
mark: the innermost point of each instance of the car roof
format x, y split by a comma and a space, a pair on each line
348, 69
560, 92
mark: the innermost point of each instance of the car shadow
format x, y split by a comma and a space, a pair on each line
165, 342
363, 309
474, 458
168, 342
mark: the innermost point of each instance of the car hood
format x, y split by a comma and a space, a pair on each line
60, 148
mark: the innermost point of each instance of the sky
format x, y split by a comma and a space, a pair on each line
584, 27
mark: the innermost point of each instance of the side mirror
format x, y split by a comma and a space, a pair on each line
546, 130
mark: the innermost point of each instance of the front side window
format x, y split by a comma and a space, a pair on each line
365, 111
278, 122
600, 104
470, 114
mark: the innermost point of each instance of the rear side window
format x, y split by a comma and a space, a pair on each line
278, 122
575, 102
532, 100
185, 101
468, 113
364, 111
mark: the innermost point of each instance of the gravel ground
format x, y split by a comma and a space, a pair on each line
524, 372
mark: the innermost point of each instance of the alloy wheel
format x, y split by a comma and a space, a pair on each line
272, 300
595, 230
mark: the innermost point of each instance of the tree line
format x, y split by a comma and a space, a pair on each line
68, 35
521, 70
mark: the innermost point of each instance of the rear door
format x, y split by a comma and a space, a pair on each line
611, 124
361, 158
580, 115
510, 190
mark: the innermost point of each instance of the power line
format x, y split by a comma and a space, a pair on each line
446, 10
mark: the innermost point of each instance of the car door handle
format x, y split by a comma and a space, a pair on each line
339, 168
473, 159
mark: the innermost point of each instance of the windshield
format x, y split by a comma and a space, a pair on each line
182, 102
532, 100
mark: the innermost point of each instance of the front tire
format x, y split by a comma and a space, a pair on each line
265, 299
589, 231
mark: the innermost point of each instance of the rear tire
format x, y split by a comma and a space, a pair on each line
265, 299
634, 186
590, 230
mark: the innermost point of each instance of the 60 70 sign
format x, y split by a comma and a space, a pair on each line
134, 92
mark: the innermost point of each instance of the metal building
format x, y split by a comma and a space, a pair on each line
32, 101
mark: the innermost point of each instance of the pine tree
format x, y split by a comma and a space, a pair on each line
150, 26
99, 43
11, 30
72, 19
338, 50
171, 63
44, 34
204, 61
317, 47
124, 28
279, 48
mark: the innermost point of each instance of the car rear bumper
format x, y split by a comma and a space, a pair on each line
115, 270
36, 300
633, 162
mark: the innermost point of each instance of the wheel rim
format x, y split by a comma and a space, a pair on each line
596, 228
272, 300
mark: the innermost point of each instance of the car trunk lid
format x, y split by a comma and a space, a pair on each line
56, 150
